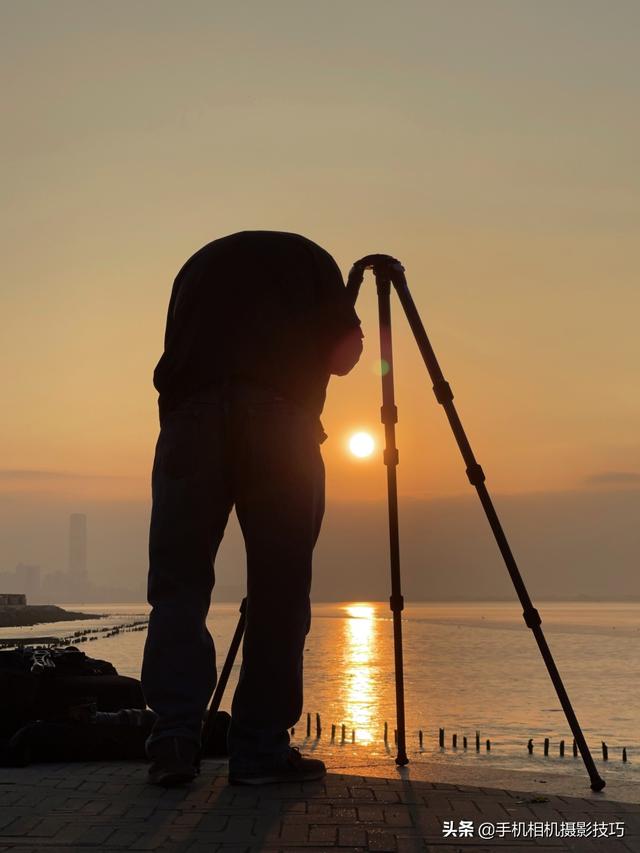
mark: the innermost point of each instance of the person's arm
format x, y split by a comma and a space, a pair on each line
338, 324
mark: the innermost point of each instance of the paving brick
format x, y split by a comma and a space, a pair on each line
306, 848
315, 809
341, 793
140, 811
239, 829
351, 836
397, 816
7, 816
213, 822
324, 834
124, 838
151, 840
359, 792
286, 808
344, 812
294, 832
22, 825
411, 844
202, 847
116, 810
370, 813
212, 840
381, 840
50, 827
95, 835
384, 795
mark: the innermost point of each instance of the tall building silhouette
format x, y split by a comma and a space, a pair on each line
78, 545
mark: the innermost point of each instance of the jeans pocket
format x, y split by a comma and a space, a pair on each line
282, 434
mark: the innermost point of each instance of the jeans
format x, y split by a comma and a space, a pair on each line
246, 447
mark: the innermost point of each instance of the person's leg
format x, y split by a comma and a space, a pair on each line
191, 504
279, 490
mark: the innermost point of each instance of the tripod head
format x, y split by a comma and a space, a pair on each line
385, 268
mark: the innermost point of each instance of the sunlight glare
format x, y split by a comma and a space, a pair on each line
360, 669
361, 444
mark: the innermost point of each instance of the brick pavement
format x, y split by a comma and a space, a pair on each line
109, 807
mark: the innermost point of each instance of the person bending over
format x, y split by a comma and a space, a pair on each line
257, 323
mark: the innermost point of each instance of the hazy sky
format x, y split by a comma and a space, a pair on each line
492, 146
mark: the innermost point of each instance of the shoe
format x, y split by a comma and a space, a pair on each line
174, 761
293, 768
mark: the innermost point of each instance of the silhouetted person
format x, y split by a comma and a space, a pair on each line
257, 322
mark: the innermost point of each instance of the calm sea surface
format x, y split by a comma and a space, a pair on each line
468, 667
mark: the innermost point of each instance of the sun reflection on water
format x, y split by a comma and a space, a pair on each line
359, 664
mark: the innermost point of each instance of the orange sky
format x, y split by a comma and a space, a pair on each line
492, 147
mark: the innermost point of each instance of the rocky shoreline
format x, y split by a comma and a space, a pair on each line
22, 615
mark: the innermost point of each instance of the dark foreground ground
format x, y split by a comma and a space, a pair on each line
109, 807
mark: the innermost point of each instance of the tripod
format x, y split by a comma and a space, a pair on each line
388, 271
218, 693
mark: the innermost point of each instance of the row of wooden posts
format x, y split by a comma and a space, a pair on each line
454, 739
101, 632
85, 635
605, 749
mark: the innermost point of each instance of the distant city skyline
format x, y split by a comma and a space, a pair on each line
73, 585
569, 546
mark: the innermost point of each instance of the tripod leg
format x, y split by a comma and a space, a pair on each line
389, 415
444, 396
224, 676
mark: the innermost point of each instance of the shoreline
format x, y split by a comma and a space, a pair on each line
26, 615
572, 782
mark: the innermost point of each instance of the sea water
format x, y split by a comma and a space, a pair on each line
468, 667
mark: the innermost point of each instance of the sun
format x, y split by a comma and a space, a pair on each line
361, 444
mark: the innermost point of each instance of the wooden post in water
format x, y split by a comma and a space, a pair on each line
386, 732
546, 746
454, 741
420, 738
353, 735
464, 742
488, 745
441, 738
575, 748
395, 735
530, 746
561, 749
624, 753
318, 726
605, 752
344, 732
333, 731
308, 724
477, 741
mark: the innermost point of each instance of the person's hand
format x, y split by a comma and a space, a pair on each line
346, 353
